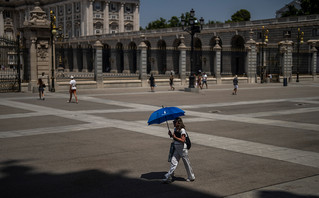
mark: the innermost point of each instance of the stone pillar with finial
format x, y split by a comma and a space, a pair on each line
286, 50
314, 60
217, 69
182, 60
143, 62
98, 73
251, 59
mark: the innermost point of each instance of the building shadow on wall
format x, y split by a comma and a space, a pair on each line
18, 180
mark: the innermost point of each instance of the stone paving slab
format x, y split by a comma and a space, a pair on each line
108, 146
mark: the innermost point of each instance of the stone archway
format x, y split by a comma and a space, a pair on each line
119, 57
149, 55
197, 56
238, 55
176, 54
161, 56
132, 56
106, 55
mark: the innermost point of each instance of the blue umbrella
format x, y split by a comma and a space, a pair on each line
164, 114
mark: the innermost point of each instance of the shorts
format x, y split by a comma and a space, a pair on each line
235, 86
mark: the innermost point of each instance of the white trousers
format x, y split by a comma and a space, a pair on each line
180, 152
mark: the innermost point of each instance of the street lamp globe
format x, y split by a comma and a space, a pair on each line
192, 13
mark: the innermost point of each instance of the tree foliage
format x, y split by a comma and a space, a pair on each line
241, 15
307, 7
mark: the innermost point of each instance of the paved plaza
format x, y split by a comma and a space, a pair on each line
263, 142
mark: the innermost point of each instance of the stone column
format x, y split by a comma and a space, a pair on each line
106, 18
169, 60
182, 61
126, 54
251, 59
90, 18
113, 61
136, 26
143, 63
121, 18
217, 69
84, 58
1, 23
75, 58
66, 60
286, 50
33, 65
98, 72
314, 61
72, 26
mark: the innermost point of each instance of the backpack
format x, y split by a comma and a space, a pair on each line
188, 142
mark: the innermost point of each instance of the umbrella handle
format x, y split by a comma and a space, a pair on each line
166, 119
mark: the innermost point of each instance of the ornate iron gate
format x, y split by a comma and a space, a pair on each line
10, 65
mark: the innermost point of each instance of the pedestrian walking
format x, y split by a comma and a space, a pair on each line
204, 80
180, 151
171, 81
152, 82
41, 89
199, 81
235, 83
72, 90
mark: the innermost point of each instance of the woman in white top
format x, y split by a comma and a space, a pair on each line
72, 90
180, 151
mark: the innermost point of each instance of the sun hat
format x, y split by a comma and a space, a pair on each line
72, 77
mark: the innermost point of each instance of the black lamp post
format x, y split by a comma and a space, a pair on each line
53, 33
60, 37
192, 29
264, 37
299, 41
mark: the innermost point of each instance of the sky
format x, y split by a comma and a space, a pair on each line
213, 10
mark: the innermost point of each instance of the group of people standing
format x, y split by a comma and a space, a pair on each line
72, 89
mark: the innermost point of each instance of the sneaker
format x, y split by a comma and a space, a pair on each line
190, 180
68, 101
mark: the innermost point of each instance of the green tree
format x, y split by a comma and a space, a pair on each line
309, 7
241, 15
292, 11
158, 24
174, 22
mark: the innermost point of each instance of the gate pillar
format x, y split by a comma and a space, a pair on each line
218, 49
182, 61
143, 63
314, 60
251, 59
286, 50
37, 35
98, 73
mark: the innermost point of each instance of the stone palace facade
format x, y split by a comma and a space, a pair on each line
126, 57
75, 17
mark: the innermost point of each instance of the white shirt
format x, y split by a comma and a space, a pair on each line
183, 132
73, 83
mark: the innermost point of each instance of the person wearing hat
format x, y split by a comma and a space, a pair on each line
72, 90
